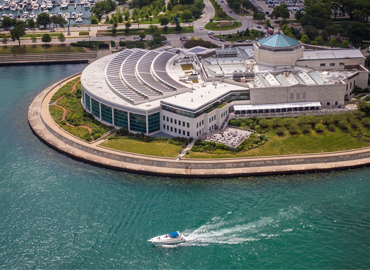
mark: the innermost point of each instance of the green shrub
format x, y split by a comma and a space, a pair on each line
327, 120
343, 124
293, 129
306, 129
366, 122
264, 123
280, 131
83, 33
320, 128
331, 128
277, 122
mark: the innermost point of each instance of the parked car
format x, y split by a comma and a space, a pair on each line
259, 27
109, 27
222, 40
230, 11
210, 33
201, 28
240, 41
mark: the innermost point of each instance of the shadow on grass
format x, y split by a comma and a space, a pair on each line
18, 50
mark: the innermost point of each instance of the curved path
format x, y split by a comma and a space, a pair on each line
55, 103
49, 132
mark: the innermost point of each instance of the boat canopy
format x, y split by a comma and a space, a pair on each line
174, 234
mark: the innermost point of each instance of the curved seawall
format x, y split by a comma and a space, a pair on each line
49, 132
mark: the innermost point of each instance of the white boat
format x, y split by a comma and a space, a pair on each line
49, 5
35, 6
87, 4
60, 14
82, 2
64, 5
79, 20
11, 16
1, 6
80, 14
66, 16
13, 6
73, 15
6, 4
43, 5
25, 14
168, 239
32, 15
20, 6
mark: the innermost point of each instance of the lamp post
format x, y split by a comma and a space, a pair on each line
219, 25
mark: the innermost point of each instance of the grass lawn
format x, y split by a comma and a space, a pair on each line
153, 148
235, 37
298, 144
75, 113
217, 7
40, 35
25, 49
215, 26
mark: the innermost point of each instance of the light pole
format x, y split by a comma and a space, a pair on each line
219, 25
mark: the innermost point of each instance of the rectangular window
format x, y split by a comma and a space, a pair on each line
188, 133
175, 121
328, 103
350, 86
336, 103
200, 132
180, 131
179, 123
291, 96
341, 64
171, 120
183, 132
347, 88
175, 130
197, 134
106, 113
332, 64
322, 65
202, 122
95, 108
167, 119
120, 119
164, 126
171, 129
197, 124
87, 97
183, 123
168, 127
138, 122
164, 118
188, 125
154, 122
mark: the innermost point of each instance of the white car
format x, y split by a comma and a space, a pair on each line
201, 28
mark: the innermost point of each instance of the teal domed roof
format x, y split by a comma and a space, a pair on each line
278, 41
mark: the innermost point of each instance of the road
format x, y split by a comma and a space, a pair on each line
208, 14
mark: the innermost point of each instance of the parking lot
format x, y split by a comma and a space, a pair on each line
268, 6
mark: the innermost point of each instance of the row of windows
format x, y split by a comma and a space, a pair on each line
199, 133
200, 123
223, 114
175, 130
176, 121
212, 118
120, 118
331, 64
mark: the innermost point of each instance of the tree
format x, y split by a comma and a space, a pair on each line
169, 6
5, 40
7, 22
61, 38
281, 11
165, 28
268, 23
333, 41
153, 28
304, 39
18, 31
163, 20
43, 19
31, 23
317, 13
319, 40
46, 38
34, 39
186, 15
128, 25
93, 20
259, 16
114, 30
364, 106
357, 32
314, 42
345, 44
142, 35
57, 20
298, 15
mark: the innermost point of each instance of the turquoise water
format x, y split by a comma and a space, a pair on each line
57, 213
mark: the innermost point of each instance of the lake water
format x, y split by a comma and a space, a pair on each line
58, 213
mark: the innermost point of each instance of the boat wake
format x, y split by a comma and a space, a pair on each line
233, 230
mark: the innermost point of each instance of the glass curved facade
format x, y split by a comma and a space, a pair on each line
106, 113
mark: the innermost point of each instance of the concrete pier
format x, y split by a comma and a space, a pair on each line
50, 133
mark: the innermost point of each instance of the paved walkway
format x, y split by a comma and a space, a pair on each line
49, 132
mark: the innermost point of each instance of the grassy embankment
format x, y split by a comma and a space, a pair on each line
253, 34
25, 49
154, 148
75, 114
355, 136
218, 9
137, 31
215, 26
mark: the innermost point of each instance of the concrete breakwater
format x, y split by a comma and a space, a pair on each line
49, 132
